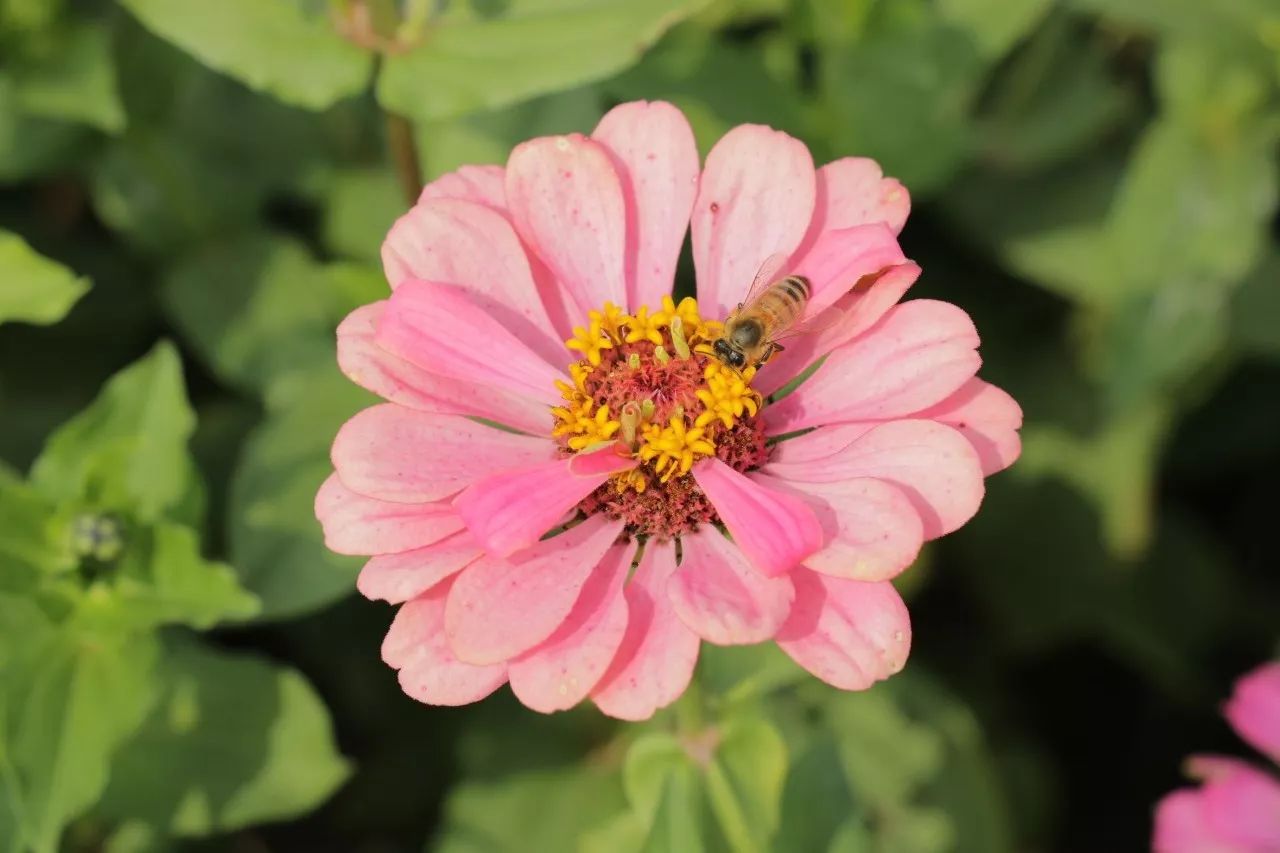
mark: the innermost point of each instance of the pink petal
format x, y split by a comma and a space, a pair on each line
988, 417
872, 530
392, 453
1254, 709
475, 248
853, 191
399, 381
1244, 806
429, 672
567, 202
755, 199
481, 184
655, 661
500, 607
611, 459
511, 510
438, 327
851, 315
848, 633
721, 597
931, 463
775, 531
560, 672
1181, 826
920, 353
840, 259
354, 524
399, 577
657, 161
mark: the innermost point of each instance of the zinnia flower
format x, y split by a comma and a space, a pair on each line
1237, 808
567, 491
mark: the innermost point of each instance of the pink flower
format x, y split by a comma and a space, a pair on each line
1237, 808
579, 552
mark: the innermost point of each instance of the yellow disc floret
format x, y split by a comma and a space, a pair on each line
590, 341
642, 327
651, 382
610, 320
727, 395
674, 448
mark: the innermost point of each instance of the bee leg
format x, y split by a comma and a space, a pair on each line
770, 350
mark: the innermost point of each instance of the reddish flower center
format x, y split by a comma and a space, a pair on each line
650, 382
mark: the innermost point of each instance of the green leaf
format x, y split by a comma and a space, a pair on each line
32, 146
677, 825
996, 25
534, 810
1193, 207
887, 758
914, 120
79, 696
255, 308
36, 289
1255, 309
483, 57
360, 208
276, 542
74, 80
164, 580
971, 814
279, 47
234, 740
665, 792
1058, 97
1114, 467
127, 451
33, 535
744, 782
817, 798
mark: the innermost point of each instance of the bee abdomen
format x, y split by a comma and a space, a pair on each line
798, 286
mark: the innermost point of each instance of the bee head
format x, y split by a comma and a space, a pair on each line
729, 355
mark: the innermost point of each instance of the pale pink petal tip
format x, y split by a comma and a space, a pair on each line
355, 524
655, 661
567, 202
1254, 709
755, 199
848, 633
500, 608
560, 672
429, 671
656, 158
988, 417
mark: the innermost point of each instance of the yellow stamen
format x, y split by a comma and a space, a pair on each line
642, 327
674, 448
610, 320
726, 396
590, 342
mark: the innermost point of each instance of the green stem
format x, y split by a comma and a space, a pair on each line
689, 709
404, 153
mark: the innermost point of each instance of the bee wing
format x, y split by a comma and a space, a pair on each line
770, 271
812, 326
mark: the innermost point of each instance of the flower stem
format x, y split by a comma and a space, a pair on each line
404, 152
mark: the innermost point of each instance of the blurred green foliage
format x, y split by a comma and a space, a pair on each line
1094, 181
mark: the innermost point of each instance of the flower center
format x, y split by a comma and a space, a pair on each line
651, 382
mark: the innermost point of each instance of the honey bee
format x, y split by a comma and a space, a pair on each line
772, 307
